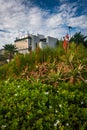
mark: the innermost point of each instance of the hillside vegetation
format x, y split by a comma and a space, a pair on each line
45, 90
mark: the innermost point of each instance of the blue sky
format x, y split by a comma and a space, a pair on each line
47, 17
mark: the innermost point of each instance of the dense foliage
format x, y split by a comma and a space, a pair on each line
49, 63
31, 105
79, 38
45, 90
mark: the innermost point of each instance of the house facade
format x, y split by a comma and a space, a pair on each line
30, 42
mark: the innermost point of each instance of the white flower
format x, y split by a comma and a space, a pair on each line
60, 105
7, 81
16, 94
56, 111
67, 124
3, 126
46, 93
86, 81
82, 102
50, 106
57, 122
18, 86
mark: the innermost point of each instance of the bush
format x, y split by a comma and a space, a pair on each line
75, 58
31, 105
3, 72
46, 55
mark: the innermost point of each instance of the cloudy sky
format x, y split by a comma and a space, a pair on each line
47, 17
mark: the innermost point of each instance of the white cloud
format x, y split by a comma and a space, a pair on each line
18, 19
80, 22
55, 20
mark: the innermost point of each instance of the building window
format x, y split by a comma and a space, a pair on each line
30, 48
36, 44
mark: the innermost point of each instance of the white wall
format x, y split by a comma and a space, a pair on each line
35, 40
21, 44
23, 51
51, 41
42, 44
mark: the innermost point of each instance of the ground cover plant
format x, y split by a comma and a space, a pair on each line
31, 105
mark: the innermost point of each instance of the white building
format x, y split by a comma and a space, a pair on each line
30, 42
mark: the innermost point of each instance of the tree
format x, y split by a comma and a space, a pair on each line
79, 38
10, 49
57, 43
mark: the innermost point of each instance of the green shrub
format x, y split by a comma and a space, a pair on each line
31, 105
75, 59
3, 72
